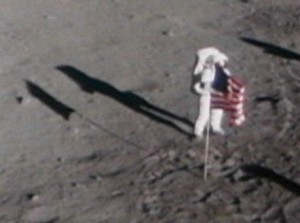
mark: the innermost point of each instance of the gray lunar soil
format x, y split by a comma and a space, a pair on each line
97, 113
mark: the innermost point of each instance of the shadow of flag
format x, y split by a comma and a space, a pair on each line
48, 100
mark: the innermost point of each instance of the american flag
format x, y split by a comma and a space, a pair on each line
231, 100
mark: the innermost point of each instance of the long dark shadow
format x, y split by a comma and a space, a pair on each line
65, 111
269, 174
270, 48
48, 100
127, 98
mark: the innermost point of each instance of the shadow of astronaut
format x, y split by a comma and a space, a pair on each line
210, 76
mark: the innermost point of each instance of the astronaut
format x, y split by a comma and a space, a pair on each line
212, 76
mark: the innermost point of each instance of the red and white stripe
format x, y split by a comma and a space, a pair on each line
232, 101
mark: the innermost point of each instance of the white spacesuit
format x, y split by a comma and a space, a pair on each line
211, 68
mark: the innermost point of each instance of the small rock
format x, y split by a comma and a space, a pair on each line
23, 101
49, 17
74, 184
171, 154
151, 199
248, 188
32, 197
95, 177
117, 193
255, 219
19, 99
192, 154
274, 214
203, 196
292, 211
235, 201
77, 185
167, 33
76, 131
230, 162
240, 175
60, 159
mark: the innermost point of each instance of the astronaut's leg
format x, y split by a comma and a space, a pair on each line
203, 117
216, 121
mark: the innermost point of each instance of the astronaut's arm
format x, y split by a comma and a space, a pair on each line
197, 88
226, 71
202, 88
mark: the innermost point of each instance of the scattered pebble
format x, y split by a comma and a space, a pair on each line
274, 214
19, 99
248, 188
292, 211
23, 101
32, 197
95, 177
167, 33
167, 74
49, 17
240, 175
192, 154
235, 201
172, 154
60, 159
77, 185
76, 131
117, 193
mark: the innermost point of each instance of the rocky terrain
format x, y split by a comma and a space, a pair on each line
97, 112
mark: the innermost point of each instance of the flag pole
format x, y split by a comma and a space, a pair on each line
206, 151
207, 142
